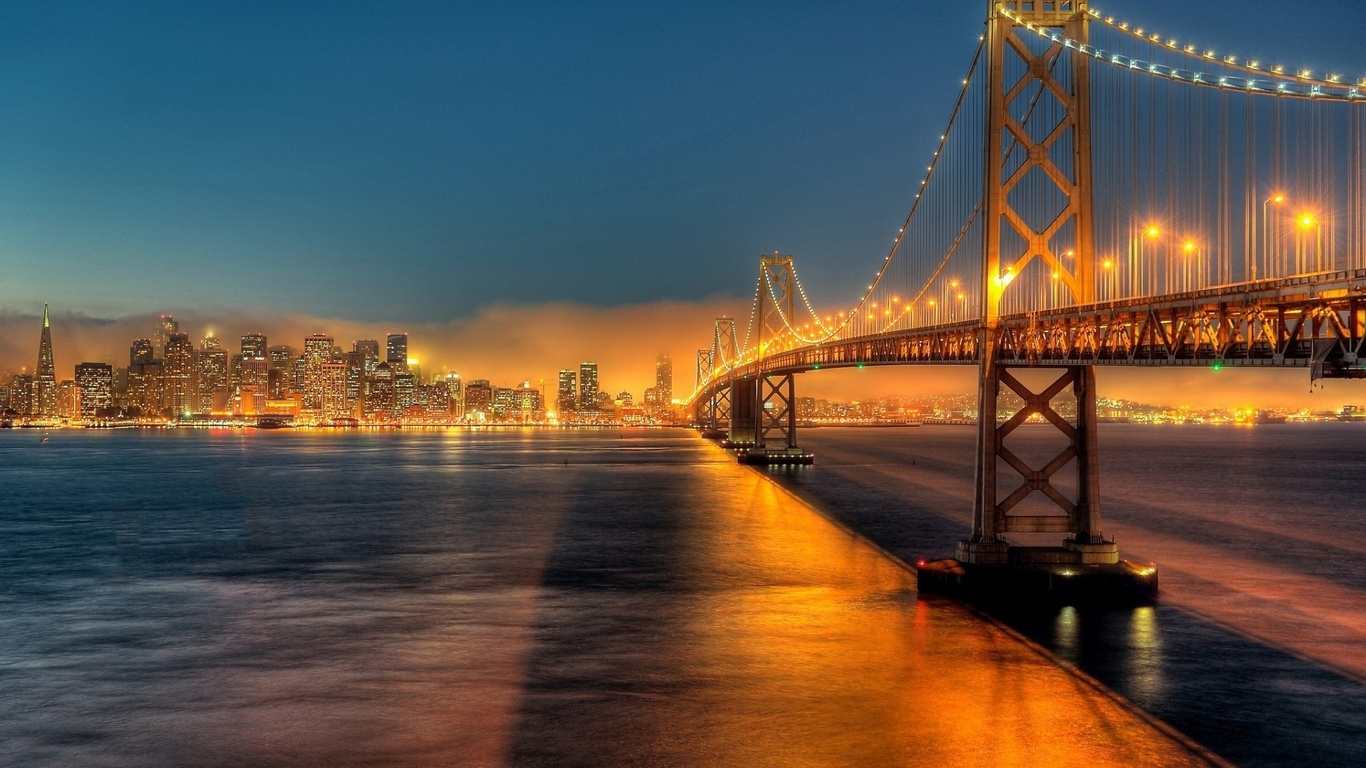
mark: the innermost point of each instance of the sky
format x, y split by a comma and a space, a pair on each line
381, 166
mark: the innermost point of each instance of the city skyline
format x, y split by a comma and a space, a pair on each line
535, 344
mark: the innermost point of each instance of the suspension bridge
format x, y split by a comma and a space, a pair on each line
1103, 195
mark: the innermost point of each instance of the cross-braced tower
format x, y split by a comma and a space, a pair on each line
1026, 153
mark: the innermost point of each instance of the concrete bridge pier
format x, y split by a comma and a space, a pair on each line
744, 395
774, 410
1082, 566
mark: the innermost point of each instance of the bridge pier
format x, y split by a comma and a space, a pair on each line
714, 411
744, 394
775, 423
1082, 565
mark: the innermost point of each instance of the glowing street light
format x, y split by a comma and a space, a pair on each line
1307, 221
1279, 199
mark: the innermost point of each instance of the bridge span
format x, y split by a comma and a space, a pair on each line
1101, 196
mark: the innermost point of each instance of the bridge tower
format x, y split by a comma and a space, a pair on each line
1024, 151
769, 398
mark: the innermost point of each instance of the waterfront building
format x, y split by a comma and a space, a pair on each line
355, 378
179, 374
68, 400
396, 352
333, 401
405, 392
212, 366
146, 387
588, 386
254, 346
566, 395
664, 379
369, 348
478, 398
96, 384
166, 326
317, 353
456, 393
379, 392
21, 394
45, 375
142, 351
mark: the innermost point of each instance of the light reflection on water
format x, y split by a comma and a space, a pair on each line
434, 598
1257, 647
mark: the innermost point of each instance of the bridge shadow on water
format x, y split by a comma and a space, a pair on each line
1249, 702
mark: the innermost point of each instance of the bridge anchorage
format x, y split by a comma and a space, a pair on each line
1102, 196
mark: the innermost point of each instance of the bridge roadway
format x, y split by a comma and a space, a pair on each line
1300, 322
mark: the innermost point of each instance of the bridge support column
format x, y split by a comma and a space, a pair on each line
775, 423
744, 399
714, 411
1077, 516
1009, 560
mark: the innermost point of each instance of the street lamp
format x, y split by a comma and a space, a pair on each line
1151, 233
1189, 271
1278, 199
1307, 221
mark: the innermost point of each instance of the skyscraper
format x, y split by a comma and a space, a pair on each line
96, 384
254, 346
664, 379
588, 386
213, 375
317, 353
179, 372
45, 376
141, 352
566, 398
166, 326
332, 395
396, 352
369, 348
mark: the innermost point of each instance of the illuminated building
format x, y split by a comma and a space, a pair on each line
279, 371
396, 352
96, 384
45, 376
369, 348
355, 378
180, 392
664, 379
21, 394
254, 346
379, 391
142, 352
255, 373
166, 326
624, 398
405, 392
145, 383
478, 397
333, 402
317, 353
213, 376
68, 400
566, 398
456, 393
528, 403
438, 397
588, 386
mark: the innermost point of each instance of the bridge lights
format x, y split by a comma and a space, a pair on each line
1307, 221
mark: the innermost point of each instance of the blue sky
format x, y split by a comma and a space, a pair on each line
415, 162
